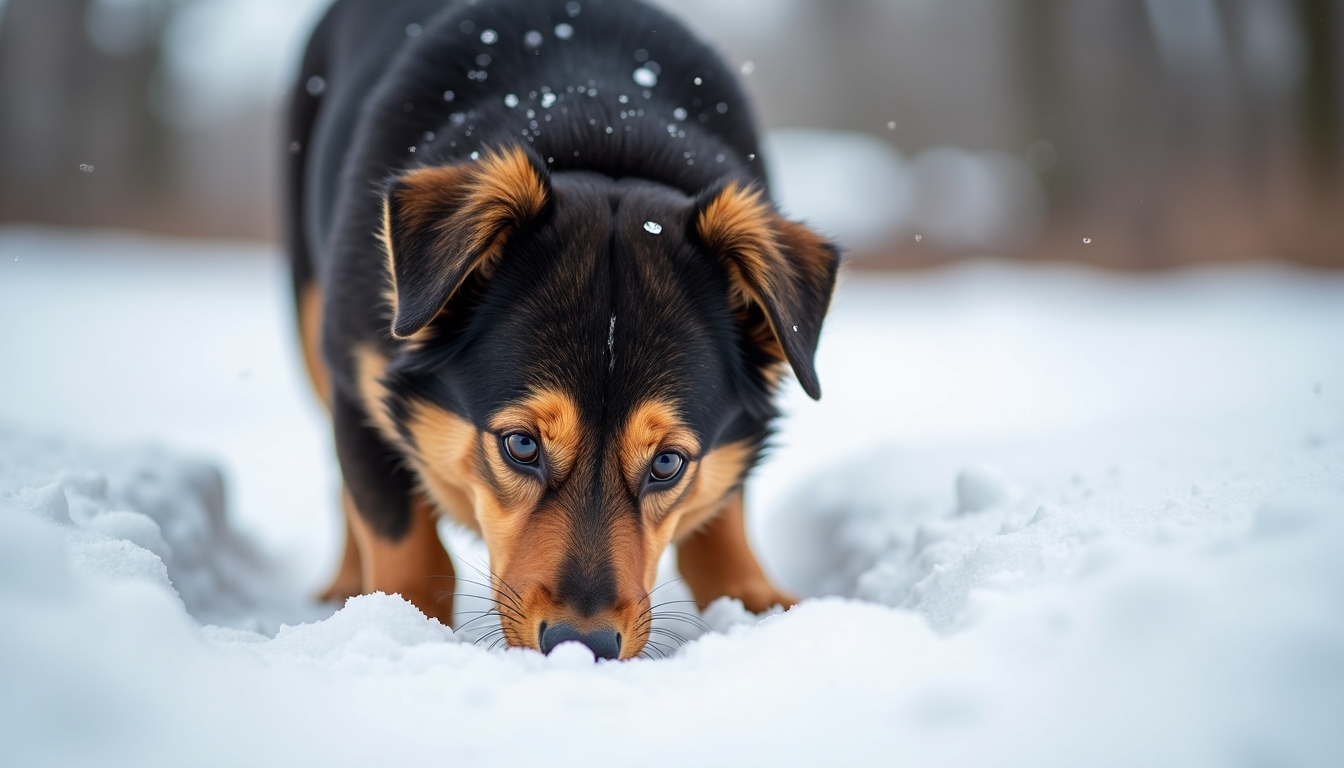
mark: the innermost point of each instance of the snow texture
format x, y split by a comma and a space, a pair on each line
1042, 517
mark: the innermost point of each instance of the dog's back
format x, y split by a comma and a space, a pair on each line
611, 86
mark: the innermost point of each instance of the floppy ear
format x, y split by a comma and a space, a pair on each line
442, 223
780, 265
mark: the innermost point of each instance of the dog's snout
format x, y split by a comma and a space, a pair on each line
605, 643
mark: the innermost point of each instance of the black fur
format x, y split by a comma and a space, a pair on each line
614, 155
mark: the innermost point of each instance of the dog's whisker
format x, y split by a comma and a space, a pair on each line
496, 590
683, 616
485, 637
498, 610
490, 633
465, 626
507, 585
668, 634
667, 583
490, 577
692, 620
675, 602
657, 646
472, 594
506, 610
489, 629
480, 617
441, 596
490, 574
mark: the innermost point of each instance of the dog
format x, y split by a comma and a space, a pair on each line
543, 291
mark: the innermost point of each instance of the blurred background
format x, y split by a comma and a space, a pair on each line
1117, 132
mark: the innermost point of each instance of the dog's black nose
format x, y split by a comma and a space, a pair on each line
604, 643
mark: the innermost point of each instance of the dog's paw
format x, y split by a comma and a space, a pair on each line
341, 589
760, 596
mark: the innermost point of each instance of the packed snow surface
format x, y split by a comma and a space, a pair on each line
1042, 516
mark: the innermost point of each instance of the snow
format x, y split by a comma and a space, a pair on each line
224, 56
869, 207
643, 76
1042, 516
859, 190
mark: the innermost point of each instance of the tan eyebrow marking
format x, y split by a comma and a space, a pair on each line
553, 416
653, 426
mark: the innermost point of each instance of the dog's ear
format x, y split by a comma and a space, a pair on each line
780, 265
442, 223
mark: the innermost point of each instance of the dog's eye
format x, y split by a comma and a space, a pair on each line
666, 466
521, 448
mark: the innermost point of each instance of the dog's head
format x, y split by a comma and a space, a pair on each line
586, 371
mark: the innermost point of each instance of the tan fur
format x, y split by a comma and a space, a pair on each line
494, 194
718, 474
551, 416
370, 366
456, 463
764, 246
417, 567
540, 549
472, 208
532, 555
384, 235
349, 579
808, 251
310, 337
740, 226
717, 561
505, 192
526, 548
740, 222
653, 427
671, 515
445, 456
463, 474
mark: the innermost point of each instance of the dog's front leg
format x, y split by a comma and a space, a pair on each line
349, 580
716, 561
391, 523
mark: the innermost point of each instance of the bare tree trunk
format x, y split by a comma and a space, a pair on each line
1320, 116
78, 135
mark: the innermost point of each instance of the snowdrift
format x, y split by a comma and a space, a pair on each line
1095, 521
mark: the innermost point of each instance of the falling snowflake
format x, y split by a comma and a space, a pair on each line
645, 78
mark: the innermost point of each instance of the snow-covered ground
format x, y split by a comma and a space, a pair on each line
1046, 516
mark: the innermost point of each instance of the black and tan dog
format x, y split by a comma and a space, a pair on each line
543, 291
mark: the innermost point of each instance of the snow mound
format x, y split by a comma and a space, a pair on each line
1111, 631
1092, 520
138, 515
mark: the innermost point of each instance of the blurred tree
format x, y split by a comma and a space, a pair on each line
1038, 27
1164, 131
79, 138
1320, 116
